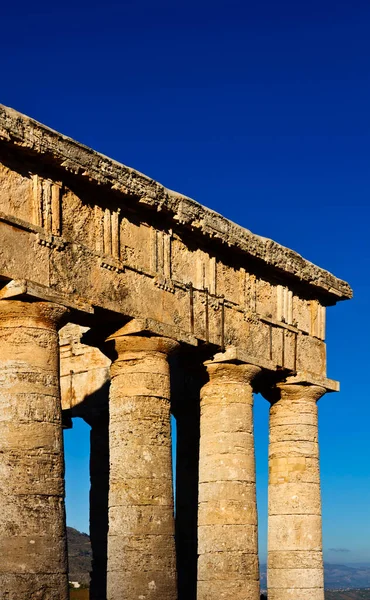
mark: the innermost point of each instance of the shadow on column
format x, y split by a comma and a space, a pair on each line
94, 410
188, 378
99, 477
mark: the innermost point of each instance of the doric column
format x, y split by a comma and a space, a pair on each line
141, 544
227, 520
33, 551
295, 568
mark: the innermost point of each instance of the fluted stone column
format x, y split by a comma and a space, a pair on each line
295, 567
227, 519
33, 552
141, 545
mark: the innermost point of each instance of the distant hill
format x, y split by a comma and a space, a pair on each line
344, 577
347, 595
79, 556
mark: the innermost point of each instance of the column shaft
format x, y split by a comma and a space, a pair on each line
227, 519
295, 568
141, 545
33, 552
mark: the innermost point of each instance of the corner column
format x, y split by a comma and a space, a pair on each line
33, 557
141, 543
227, 520
295, 566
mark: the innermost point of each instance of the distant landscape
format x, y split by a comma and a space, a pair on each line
339, 577
342, 595
79, 556
348, 594
342, 582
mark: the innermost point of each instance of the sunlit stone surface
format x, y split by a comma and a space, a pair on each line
163, 306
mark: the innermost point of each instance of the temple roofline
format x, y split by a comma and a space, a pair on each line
28, 136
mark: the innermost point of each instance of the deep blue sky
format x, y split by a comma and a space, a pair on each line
259, 110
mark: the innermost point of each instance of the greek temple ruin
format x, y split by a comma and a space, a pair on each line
122, 302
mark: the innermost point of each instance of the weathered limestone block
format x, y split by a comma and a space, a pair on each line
35, 258
84, 374
32, 517
141, 545
88, 228
227, 517
295, 568
16, 192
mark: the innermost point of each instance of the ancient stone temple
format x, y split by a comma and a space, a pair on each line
123, 302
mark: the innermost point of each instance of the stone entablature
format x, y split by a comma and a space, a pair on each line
68, 156
86, 230
167, 307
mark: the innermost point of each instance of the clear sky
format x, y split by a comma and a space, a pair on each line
259, 110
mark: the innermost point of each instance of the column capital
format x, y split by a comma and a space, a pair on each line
21, 313
294, 391
231, 372
122, 346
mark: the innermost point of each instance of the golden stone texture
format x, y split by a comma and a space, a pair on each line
33, 560
227, 518
295, 566
141, 543
83, 235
